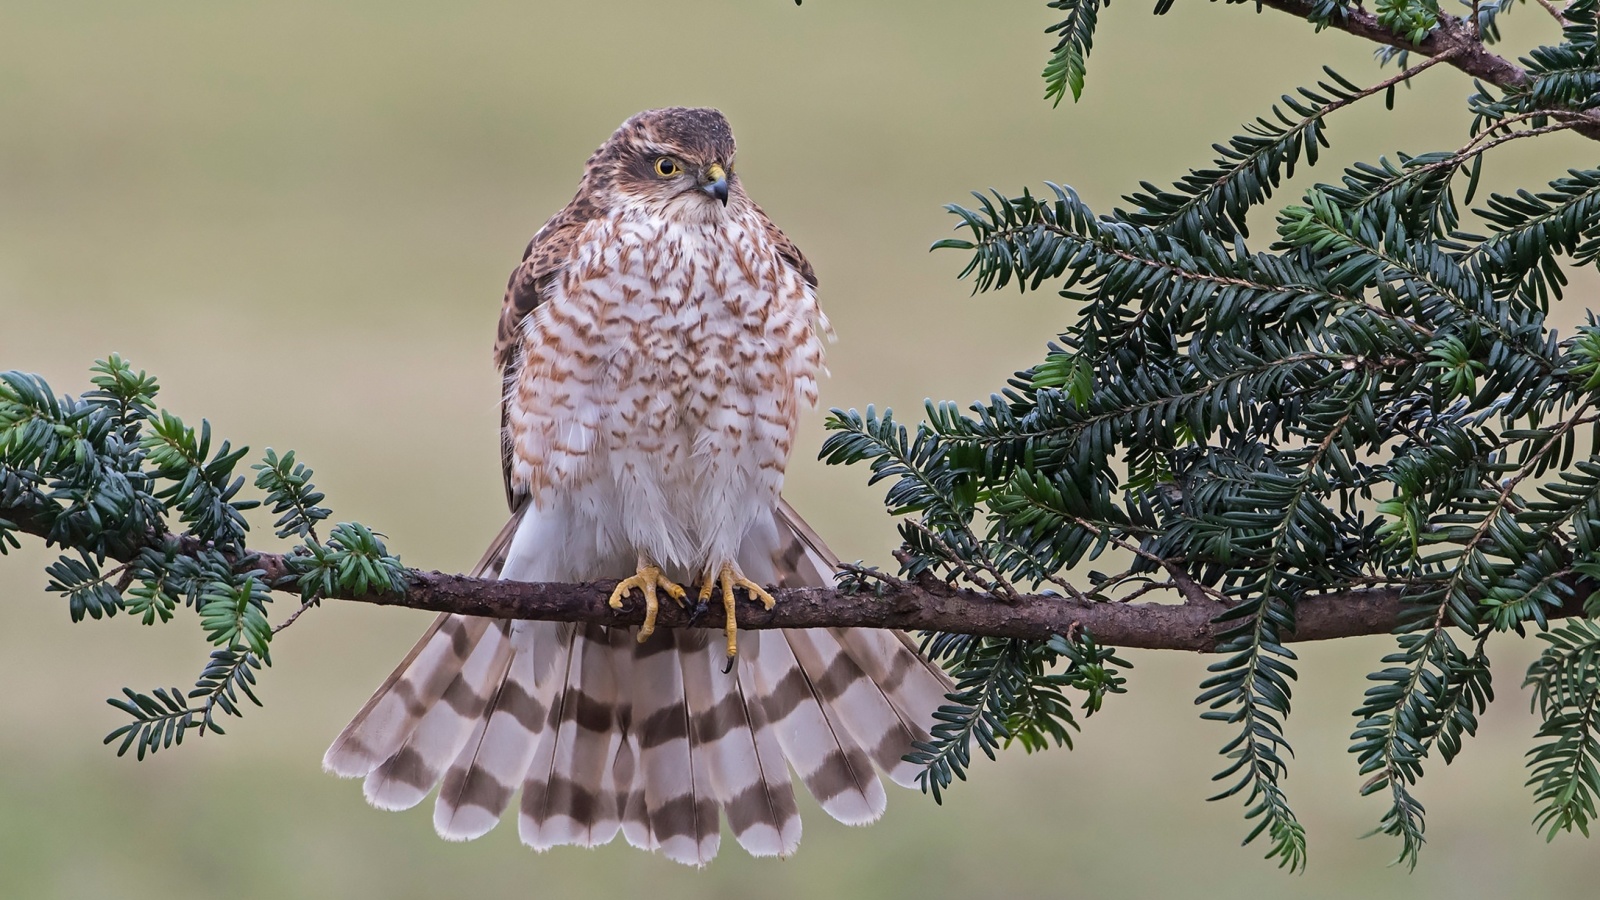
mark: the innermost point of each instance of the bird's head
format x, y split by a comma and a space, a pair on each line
677, 160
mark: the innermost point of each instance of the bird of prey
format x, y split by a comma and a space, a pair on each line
659, 342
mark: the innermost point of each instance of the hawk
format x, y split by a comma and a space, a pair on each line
658, 344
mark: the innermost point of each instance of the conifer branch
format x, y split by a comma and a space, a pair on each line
928, 605
1454, 37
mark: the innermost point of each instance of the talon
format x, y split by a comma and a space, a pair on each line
729, 578
648, 579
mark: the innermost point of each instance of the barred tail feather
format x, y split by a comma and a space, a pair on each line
402, 780
602, 734
749, 778
818, 745
677, 791
481, 781
909, 688
912, 687
564, 800
635, 814
392, 713
415, 686
616, 767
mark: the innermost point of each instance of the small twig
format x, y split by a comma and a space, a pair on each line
1072, 592
295, 615
1559, 14
1109, 582
863, 572
1195, 593
1192, 591
1405, 75
950, 555
1000, 586
1568, 124
1148, 587
1507, 488
925, 579
125, 577
1007, 587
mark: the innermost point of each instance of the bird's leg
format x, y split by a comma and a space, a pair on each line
729, 577
647, 579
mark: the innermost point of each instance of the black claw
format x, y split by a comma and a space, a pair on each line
697, 610
729, 667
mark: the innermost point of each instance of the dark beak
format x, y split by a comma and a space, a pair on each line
716, 184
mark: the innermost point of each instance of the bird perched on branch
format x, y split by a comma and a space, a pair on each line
659, 342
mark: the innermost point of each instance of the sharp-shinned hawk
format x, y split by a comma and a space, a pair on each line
659, 342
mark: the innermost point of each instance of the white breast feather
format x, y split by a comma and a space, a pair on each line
656, 407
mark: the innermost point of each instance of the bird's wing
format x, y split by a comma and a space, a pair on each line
528, 288
786, 248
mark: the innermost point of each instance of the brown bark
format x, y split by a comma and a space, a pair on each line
1160, 626
1454, 37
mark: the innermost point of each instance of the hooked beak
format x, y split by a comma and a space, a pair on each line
716, 183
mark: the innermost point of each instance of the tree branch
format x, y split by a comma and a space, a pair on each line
1159, 626
1455, 37
903, 605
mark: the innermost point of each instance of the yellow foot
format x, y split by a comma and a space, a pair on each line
729, 578
648, 579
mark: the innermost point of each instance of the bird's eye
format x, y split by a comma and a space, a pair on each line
666, 167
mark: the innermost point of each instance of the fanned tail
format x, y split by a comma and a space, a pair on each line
602, 734
416, 686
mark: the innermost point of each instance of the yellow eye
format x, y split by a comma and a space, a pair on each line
666, 167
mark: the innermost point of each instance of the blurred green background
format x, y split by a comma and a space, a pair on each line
300, 216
